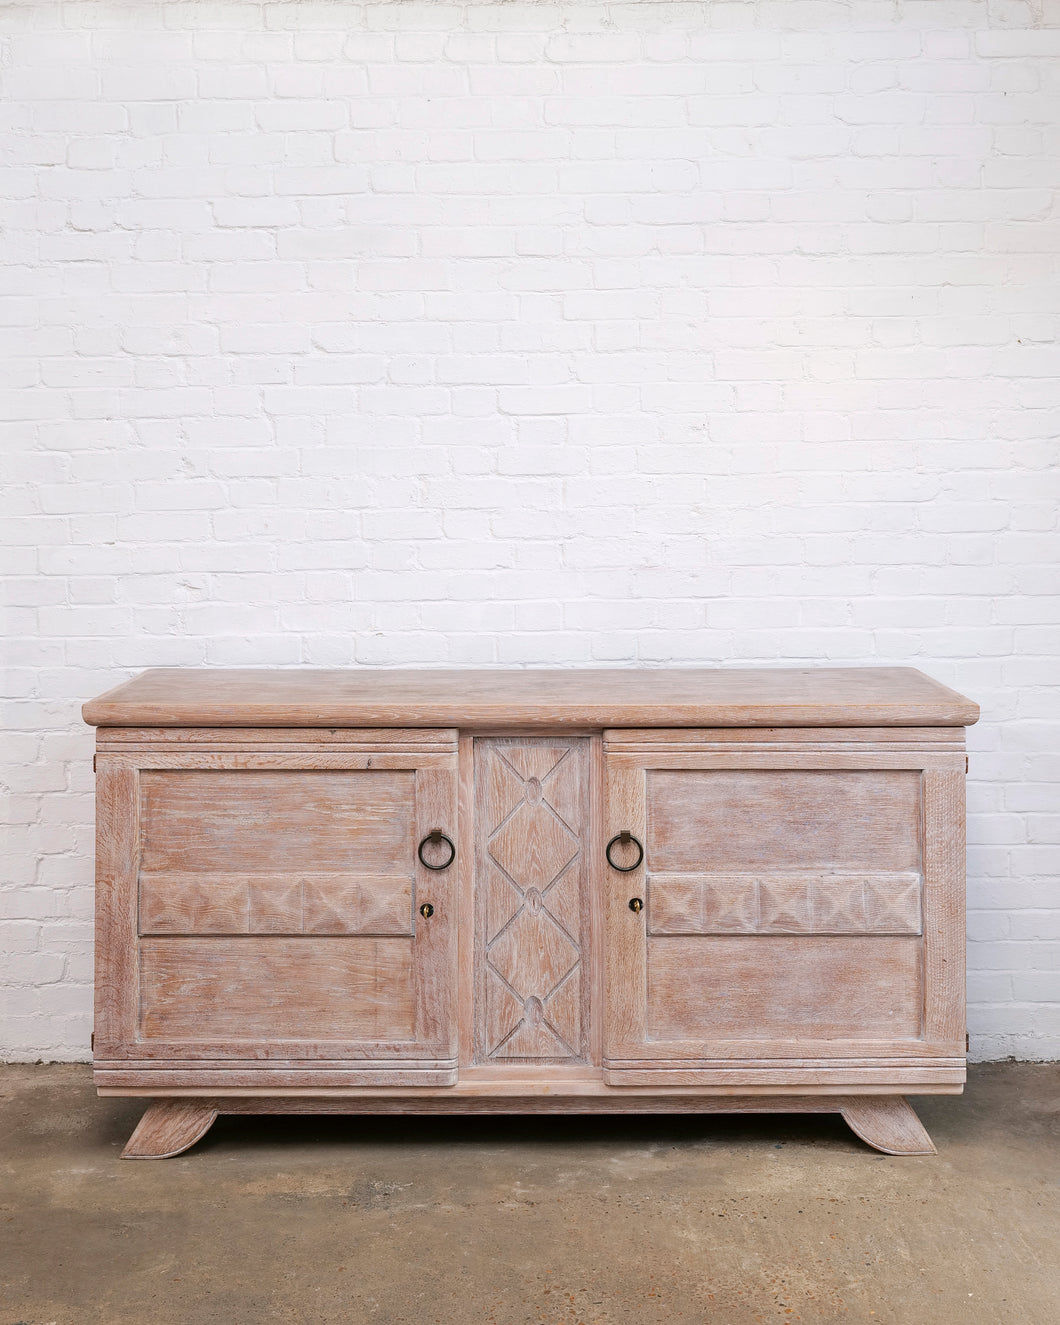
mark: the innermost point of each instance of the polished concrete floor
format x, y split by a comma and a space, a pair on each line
689, 1221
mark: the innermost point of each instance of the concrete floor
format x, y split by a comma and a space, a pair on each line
688, 1221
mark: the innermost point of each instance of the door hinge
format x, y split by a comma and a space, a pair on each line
93, 763
966, 763
92, 1040
967, 1041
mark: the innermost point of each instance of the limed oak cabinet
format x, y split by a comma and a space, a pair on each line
529, 892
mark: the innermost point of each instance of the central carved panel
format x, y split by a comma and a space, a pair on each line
531, 800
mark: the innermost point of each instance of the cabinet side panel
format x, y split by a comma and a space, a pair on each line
117, 859
944, 908
253, 989
776, 988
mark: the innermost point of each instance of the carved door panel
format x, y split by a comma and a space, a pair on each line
267, 907
802, 906
531, 908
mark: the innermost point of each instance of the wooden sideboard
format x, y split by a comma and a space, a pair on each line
382, 891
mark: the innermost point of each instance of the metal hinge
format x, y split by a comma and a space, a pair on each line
93, 763
92, 1040
966, 763
967, 1041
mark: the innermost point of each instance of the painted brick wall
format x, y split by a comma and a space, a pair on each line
509, 333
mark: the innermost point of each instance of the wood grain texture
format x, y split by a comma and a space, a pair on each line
281, 903
944, 906
220, 1058
662, 740
190, 1078
889, 1125
168, 1128
273, 1052
783, 903
286, 759
803, 884
259, 820
468, 931
194, 996
531, 814
117, 859
527, 1096
434, 966
596, 895
854, 757
253, 988
428, 740
811, 1055
783, 988
836, 1077
492, 699
720, 1077
598, 1100
885, 1122
794, 820
625, 939
897, 996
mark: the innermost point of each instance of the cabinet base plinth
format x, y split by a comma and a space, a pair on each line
885, 1122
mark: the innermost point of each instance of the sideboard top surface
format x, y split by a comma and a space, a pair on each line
480, 699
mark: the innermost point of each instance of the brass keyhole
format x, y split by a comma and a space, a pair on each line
426, 910
636, 904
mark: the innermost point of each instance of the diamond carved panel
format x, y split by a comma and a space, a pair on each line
530, 805
775, 903
533, 847
531, 954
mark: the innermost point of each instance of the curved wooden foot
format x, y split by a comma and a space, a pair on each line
169, 1127
888, 1123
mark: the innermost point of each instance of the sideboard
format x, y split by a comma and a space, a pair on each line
534, 891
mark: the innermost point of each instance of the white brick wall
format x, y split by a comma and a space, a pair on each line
515, 333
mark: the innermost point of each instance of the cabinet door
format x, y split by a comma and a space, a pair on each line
802, 911
268, 909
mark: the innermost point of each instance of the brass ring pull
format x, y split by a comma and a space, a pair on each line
624, 839
434, 837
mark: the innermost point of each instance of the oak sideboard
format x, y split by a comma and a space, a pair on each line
608, 891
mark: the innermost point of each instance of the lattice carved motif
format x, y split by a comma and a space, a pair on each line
530, 798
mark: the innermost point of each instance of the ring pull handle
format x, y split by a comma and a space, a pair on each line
434, 837
623, 839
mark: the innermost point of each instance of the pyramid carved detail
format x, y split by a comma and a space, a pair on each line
530, 882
